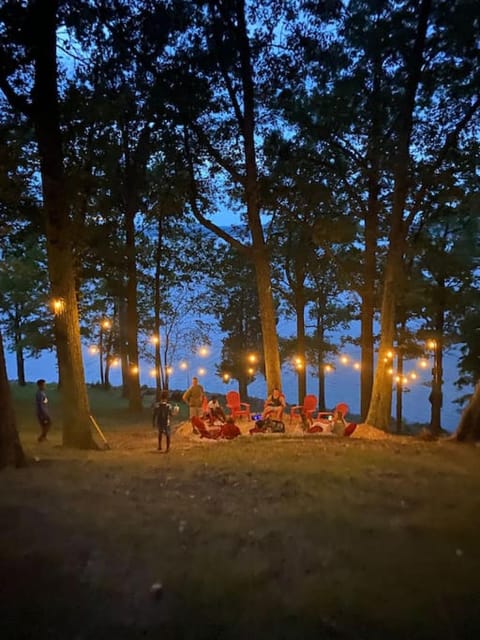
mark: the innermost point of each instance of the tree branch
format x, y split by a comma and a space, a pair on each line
205, 222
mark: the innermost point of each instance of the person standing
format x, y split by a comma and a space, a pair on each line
194, 398
162, 412
41, 405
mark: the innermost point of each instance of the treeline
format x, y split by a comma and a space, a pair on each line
343, 136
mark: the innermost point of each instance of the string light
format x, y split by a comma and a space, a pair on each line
58, 305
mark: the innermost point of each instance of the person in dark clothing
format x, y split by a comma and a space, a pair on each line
41, 406
274, 405
162, 412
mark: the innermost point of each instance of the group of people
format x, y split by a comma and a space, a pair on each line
210, 421
214, 415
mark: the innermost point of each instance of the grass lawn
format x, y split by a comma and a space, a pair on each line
268, 537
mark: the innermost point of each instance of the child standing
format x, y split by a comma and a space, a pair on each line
162, 412
41, 405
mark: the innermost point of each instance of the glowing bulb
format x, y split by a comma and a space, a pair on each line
203, 351
202, 371
413, 375
58, 305
153, 373
183, 366
344, 359
328, 367
357, 366
423, 364
155, 340
226, 377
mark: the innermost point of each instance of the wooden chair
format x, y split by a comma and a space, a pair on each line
236, 406
308, 408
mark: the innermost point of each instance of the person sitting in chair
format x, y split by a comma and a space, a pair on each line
215, 411
274, 405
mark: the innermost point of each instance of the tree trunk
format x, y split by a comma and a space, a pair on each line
45, 113
436, 397
321, 388
20, 366
261, 258
399, 393
134, 394
371, 237
368, 299
20, 360
11, 452
268, 320
123, 342
157, 300
301, 350
379, 412
468, 429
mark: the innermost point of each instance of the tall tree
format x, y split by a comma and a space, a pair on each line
225, 69
29, 61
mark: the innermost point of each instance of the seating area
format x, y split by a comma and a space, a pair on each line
307, 416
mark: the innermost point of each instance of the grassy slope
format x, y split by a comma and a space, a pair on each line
257, 538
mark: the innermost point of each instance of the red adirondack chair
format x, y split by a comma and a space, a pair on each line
236, 406
308, 407
343, 408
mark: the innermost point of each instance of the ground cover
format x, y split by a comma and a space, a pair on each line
269, 537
